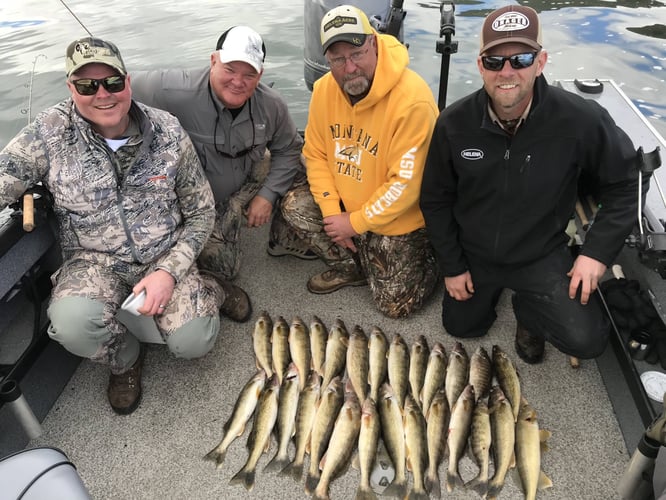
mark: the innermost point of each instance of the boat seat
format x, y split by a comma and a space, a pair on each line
39, 473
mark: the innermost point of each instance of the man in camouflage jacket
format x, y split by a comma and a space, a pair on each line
134, 210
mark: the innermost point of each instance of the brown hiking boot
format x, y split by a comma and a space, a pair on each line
333, 279
236, 304
124, 390
529, 347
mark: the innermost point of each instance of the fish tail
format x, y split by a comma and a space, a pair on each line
365, 493
321, 493
277, 464
246, 477
216, 456
396, 489
494, 490
417, 495
295, 470
478, 485
311, 482
453, 480
433, 486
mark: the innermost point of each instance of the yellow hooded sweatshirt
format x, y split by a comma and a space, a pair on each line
371, 155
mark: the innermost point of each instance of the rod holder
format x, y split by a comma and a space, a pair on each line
10, 394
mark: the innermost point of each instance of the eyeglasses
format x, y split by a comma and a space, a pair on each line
355, 57
517, 61
90, 86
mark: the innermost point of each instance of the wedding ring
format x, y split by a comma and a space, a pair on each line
162, 306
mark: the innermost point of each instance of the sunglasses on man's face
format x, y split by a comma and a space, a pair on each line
517, 61
90, 86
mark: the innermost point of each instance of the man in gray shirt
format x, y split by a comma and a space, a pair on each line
245, 138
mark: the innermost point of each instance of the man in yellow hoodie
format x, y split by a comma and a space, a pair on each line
368, 132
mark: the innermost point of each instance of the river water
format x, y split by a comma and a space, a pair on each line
621, 40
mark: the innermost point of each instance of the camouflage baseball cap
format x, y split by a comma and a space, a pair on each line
93, 50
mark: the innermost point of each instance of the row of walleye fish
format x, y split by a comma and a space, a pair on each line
335, 393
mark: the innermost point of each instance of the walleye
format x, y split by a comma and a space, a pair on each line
368, 440
322, 428
418, 362
502, 430
342, 443
459, 427
336, 352
259, 439
286, 416
280, 347
357, 362
261, 341
305, 414
318, 337
398, 368
393, 435
299, 348
480, 441
507, 377
480, 372
416, 447
528, 451
243, 409
437, 425
457, 373
434, 376
378, 361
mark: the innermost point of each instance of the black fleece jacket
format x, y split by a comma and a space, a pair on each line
506, 199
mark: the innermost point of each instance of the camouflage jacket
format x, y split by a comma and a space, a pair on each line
149, 202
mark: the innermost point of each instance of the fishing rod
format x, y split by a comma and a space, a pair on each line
74, 16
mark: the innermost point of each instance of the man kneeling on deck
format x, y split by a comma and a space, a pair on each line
499, 189
369, 125
134, 210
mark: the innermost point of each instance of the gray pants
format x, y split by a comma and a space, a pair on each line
401, 270
86, 298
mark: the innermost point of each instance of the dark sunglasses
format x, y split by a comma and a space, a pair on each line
517, 61
90, 86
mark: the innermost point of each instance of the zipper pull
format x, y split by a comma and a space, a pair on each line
506, 154
525, 163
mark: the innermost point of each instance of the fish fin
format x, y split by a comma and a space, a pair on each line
294, 470
277, 464
453, 480
216, 456
365, 494
396, 489
245, 477
417, 495
433, 486
544, 481
311, 482
355, 462
481, 487
494, 490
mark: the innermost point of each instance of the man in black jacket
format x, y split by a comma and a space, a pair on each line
500, 186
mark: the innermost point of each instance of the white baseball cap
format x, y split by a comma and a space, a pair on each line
241, 43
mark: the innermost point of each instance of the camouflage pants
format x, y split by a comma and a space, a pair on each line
222, 252
401, 270
103, 283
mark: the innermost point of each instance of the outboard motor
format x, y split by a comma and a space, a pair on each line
385, 16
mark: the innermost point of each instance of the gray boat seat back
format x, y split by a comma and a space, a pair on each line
39, 473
